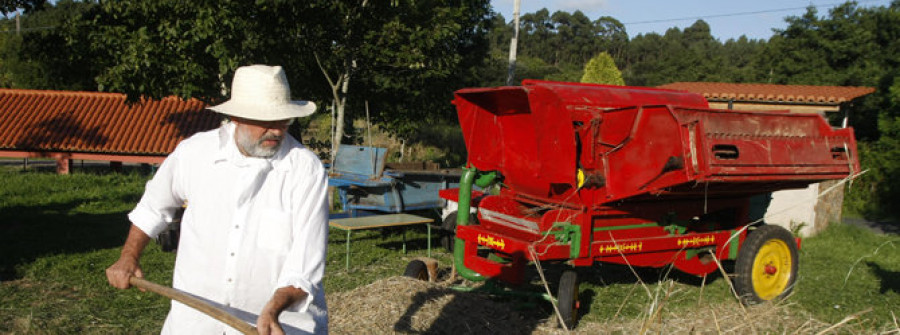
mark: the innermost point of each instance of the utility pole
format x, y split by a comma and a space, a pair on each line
513, 43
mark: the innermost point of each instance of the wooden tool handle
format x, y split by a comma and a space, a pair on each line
200, 305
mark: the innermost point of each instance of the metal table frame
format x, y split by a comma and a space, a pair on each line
380, 221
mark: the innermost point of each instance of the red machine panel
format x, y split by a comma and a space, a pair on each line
527, 131
631, 141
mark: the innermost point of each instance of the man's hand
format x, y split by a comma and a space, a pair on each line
128, 265
267, 323
122, 270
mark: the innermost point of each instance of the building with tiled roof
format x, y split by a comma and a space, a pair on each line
796, 98
96, 126
807, 210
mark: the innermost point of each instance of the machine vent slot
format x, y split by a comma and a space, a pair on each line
839, 153
725, 151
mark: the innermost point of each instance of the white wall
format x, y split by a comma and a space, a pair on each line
790, 208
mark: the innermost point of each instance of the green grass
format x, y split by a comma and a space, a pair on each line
843, 271
846, 270
46, 214
59, 233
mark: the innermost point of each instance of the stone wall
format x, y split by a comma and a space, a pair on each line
830, 204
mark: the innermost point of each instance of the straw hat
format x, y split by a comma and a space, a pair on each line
262, 93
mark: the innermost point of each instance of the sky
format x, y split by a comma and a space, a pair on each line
727, 18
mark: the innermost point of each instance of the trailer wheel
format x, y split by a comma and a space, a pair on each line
766, 267
168, 240
416, 269
567, 298
448, 230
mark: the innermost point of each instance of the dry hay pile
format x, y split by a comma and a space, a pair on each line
408, 306
722, 318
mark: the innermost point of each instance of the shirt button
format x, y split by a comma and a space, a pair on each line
229, 280
232, 254
236, 226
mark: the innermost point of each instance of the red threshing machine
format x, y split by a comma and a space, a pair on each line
630, 175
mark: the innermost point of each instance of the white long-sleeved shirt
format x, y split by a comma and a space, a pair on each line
252, 225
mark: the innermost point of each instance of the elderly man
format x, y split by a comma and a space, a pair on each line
254, 234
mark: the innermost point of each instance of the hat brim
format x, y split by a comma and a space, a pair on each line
293, 109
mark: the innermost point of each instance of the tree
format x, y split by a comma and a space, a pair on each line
739, 57
602, 70
612, 35
575, 40
557, 46
11, 6
402, 57
536, 35
852, 46
689, 55
44, 55
158, 48
493, 70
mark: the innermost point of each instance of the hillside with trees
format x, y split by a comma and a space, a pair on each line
402, 60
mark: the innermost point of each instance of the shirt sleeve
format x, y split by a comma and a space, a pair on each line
305, 263
162, 197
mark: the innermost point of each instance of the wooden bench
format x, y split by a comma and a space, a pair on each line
380, 221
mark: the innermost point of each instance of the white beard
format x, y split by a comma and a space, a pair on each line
254, 148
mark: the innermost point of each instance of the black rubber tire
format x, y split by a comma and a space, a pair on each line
448, 230
416, 269
168, 240
567, 298
750, 253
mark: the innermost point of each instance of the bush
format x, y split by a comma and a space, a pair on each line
874, 194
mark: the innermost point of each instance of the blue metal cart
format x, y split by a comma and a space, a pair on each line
373, 193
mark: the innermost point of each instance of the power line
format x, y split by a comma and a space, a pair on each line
740, 13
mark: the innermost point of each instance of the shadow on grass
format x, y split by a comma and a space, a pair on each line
890, 280
80, 166
29, 232
536, 310
416, 238
877, 226
465, 314
609, 274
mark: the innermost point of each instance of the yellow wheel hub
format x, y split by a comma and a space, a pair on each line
772, 269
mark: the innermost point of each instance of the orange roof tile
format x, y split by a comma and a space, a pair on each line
798, 94
91, 122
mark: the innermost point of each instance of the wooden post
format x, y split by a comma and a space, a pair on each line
63, 164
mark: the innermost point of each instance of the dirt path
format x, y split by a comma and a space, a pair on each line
880, 227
